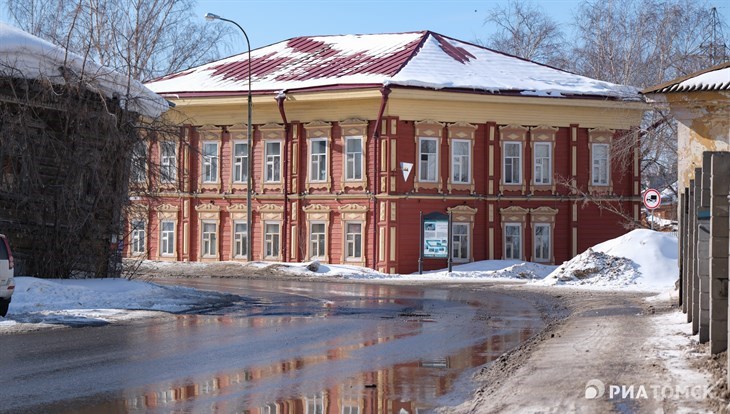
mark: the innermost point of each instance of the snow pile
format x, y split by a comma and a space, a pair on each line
99, 301
640, 260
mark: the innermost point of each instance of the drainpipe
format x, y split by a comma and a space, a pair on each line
385, 91
280, 97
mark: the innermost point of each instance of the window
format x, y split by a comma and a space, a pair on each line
317, 240
318, 160
353, 158
543, 163
314, 405
512, 163
139, 163
138, 236
168, 162
167, 238
599, 162
271, 240
460, 241
240, 239
460, 161
513, 241
353, 241
273, 162
428, 159
210, 162
240, 162
542, 242
209, 238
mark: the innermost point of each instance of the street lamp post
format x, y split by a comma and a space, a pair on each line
249, 188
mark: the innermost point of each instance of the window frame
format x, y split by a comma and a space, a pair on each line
267, 162
135, 237
167, 237
466, 236
208, 240
468, 144
239, 162
353, 169
518, 157
548, 239
348, 257
595, 178
138, 170
549, 159
210, 165
319, 245
436, 156
236, 242
520, 243
168, 162
323, 160
270, 238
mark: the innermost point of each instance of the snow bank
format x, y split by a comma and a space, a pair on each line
53, 301
639, 260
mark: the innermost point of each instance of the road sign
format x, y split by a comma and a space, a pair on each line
652, 199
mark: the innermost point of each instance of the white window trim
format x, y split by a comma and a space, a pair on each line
468, 157
212, 244
134, 237
362, 163
266, 161
163, 253
549, 242
521, 240
595, 181
437, 155
168, 160
206, 161
468, 242
346, 244
140, 155
278, 245
549, 162
234, 239
244, 170
325, 161
324, 242
504, 163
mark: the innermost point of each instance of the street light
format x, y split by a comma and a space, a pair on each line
211, 17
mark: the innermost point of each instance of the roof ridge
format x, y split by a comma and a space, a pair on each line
424, 36
681, 79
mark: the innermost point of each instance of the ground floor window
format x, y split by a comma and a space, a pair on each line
353, 241
210, 238
167, 238
513, 241
460, 242
139, 236
272, 239
240, 239
542, 242
317, 240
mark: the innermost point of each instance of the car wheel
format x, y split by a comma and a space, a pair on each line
4, 304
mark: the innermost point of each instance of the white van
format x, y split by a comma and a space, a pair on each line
7, 283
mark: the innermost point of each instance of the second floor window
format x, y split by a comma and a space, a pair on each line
428, 159
542, 165
512, 163
461, 161
599, 162
318, 160
273, 162
353, 158
168, 162
139, 163
240, 162
210, 162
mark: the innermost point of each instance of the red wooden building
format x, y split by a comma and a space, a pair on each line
354, 136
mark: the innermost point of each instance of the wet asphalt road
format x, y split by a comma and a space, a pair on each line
284, 347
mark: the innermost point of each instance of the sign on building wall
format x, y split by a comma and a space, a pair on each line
436, 236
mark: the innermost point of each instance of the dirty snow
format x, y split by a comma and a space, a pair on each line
639, 260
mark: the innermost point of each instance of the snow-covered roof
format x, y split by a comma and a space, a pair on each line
418, 59
716, 78
27, 56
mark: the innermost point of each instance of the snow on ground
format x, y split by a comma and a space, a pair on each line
39, 303
639, 260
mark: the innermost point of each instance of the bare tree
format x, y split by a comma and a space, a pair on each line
526, 31
141, 38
